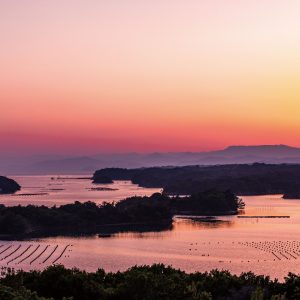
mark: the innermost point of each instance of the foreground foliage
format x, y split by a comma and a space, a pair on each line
145, 282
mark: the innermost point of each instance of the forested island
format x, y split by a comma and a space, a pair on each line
144, 282
241, 179
157, 210
8, 186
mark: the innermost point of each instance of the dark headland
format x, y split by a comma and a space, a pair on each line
241, 179
8, 186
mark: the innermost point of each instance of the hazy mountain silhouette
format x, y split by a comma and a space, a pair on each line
262, 150
88, 164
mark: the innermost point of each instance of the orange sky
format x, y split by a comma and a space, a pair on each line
137, 75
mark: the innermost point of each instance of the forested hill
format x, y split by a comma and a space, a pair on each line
242, 179
157, 210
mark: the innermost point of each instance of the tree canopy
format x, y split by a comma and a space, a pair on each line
147, 283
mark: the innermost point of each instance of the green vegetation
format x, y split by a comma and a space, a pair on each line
88, 217
252, 179
7, 293
8, 186
145, 283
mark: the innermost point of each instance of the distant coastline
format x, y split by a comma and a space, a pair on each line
241, 179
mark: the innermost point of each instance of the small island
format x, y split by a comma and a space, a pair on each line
8, 186
134, 214
101, 189
103, 180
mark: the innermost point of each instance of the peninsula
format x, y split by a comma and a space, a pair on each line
241, 179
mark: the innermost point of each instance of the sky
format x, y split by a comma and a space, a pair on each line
90, 76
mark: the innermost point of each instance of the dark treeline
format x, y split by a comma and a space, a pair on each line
8, 186
254, 179
88, 217
145, 283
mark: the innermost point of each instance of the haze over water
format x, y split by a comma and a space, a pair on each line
228, 242
65, 189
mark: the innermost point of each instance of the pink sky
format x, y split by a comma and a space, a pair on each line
148, 75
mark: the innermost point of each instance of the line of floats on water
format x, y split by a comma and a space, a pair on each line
263, 217
26, 255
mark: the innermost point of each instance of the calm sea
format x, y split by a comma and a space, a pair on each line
269, 246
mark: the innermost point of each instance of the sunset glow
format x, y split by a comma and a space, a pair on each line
146, 76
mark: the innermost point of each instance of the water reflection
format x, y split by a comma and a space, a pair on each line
192, 223
179, 224
124, 229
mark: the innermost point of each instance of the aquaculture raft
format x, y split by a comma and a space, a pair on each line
262, 217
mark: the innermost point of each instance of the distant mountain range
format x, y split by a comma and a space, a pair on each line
88, 164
